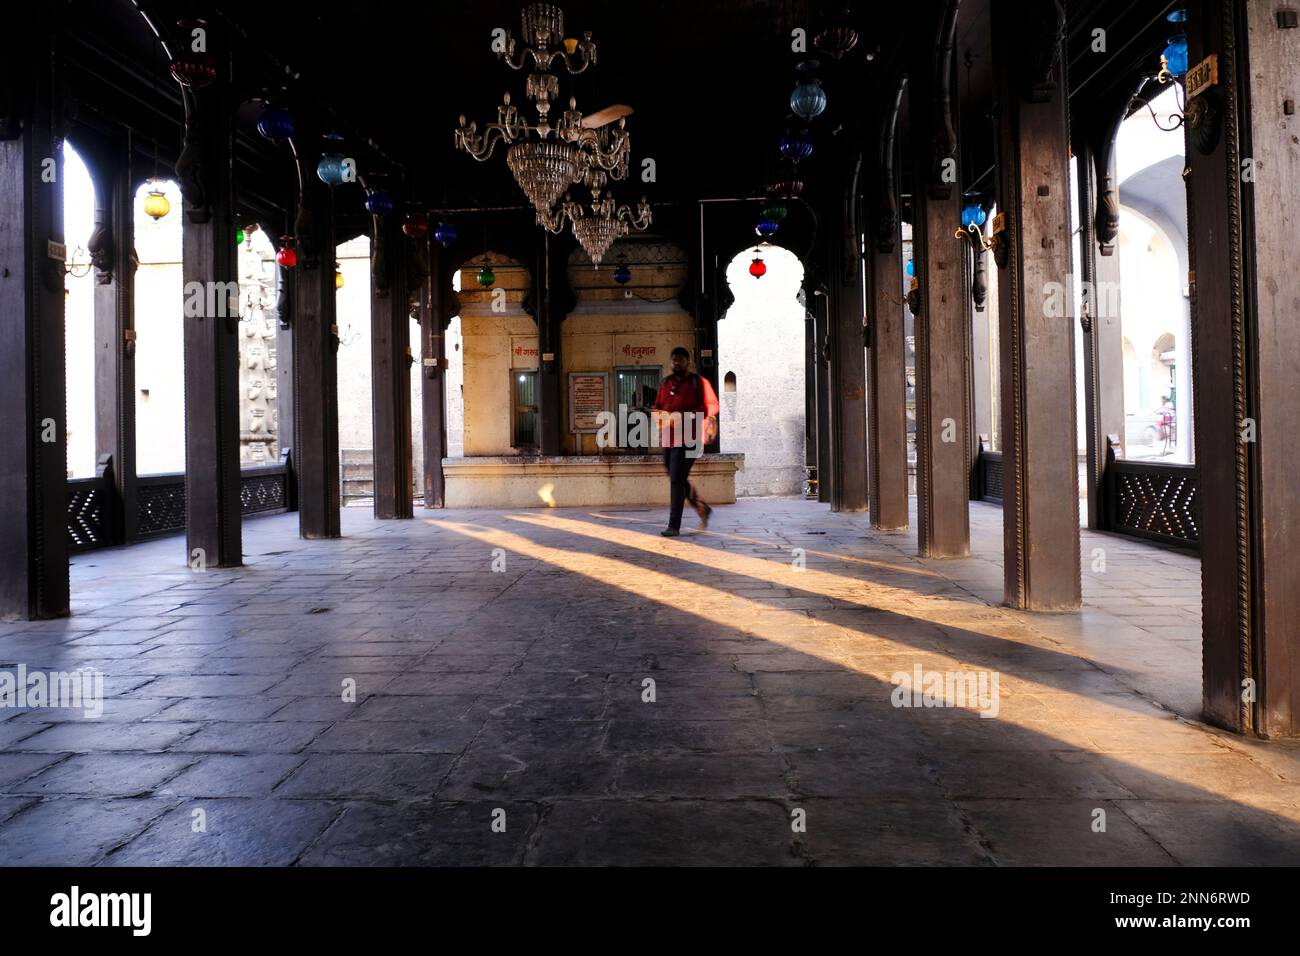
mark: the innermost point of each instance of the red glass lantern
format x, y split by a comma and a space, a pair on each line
193, 69
416, 225
758, 268
287, 256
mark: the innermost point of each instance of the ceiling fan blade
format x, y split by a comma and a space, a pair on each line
609, 114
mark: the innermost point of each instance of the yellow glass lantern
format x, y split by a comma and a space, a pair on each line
156, 204
338, 276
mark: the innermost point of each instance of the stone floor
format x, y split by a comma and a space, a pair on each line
502, 664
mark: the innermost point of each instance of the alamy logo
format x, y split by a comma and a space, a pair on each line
974, 690
76, 690
641, 428
103, 909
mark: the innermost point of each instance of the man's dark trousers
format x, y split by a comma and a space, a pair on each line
678, 465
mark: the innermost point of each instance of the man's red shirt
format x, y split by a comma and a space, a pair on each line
690, 394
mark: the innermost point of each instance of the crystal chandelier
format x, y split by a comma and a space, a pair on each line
547, 159
598, 225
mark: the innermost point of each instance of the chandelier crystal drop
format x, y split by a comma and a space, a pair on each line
545, 42
544, 170
599, 225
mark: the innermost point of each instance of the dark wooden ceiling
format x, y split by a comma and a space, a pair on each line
709, 80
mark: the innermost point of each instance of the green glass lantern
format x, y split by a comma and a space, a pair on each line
776, 211
239, 237
486, 276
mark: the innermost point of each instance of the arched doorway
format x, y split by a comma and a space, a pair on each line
760, 344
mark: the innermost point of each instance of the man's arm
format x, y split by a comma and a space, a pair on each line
711, 407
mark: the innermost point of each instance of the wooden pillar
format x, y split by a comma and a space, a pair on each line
848, 411
33, 402
1242, 207
211, 324
1035, 310
942, 338
1103, 337
286, 394
390, 371
810, 390
112, 249
817, 304
552, 302
315, 343
440, 307
886, 380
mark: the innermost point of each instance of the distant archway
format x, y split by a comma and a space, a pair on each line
761, 338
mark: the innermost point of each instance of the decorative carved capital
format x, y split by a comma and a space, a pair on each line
304, 227
1045, 29
379, 258
102, 250
191, 170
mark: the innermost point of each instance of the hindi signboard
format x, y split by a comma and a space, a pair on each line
588, 398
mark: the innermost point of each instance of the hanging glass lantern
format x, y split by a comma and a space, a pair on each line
776, 211
287, 256
274, 123
910, 269
808, 99
766, 226
156, 204
239, 237
796, 145
1174, 57
758, 268
338, 276
333, 164
192, 69
446, 234
622, 273
416, 225
379, 202
838, 40
973, 214
486, 276
787, 187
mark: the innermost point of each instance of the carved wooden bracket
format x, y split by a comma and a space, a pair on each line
943, 171
887, 207
1045, 26
102, 247
191, 169
379, 257
304, 227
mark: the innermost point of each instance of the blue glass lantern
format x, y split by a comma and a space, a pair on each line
1175, 53
796, 145
910, 269
622, 274
332, 163
973, 215
1175, 56
446, 234
275, 123
379, 202
766, 226
808, 99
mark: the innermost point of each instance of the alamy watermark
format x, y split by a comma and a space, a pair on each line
81, 689
646, 428
973, 690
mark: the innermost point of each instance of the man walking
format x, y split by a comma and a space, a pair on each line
688, 400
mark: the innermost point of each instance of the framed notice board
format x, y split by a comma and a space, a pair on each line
588, 398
